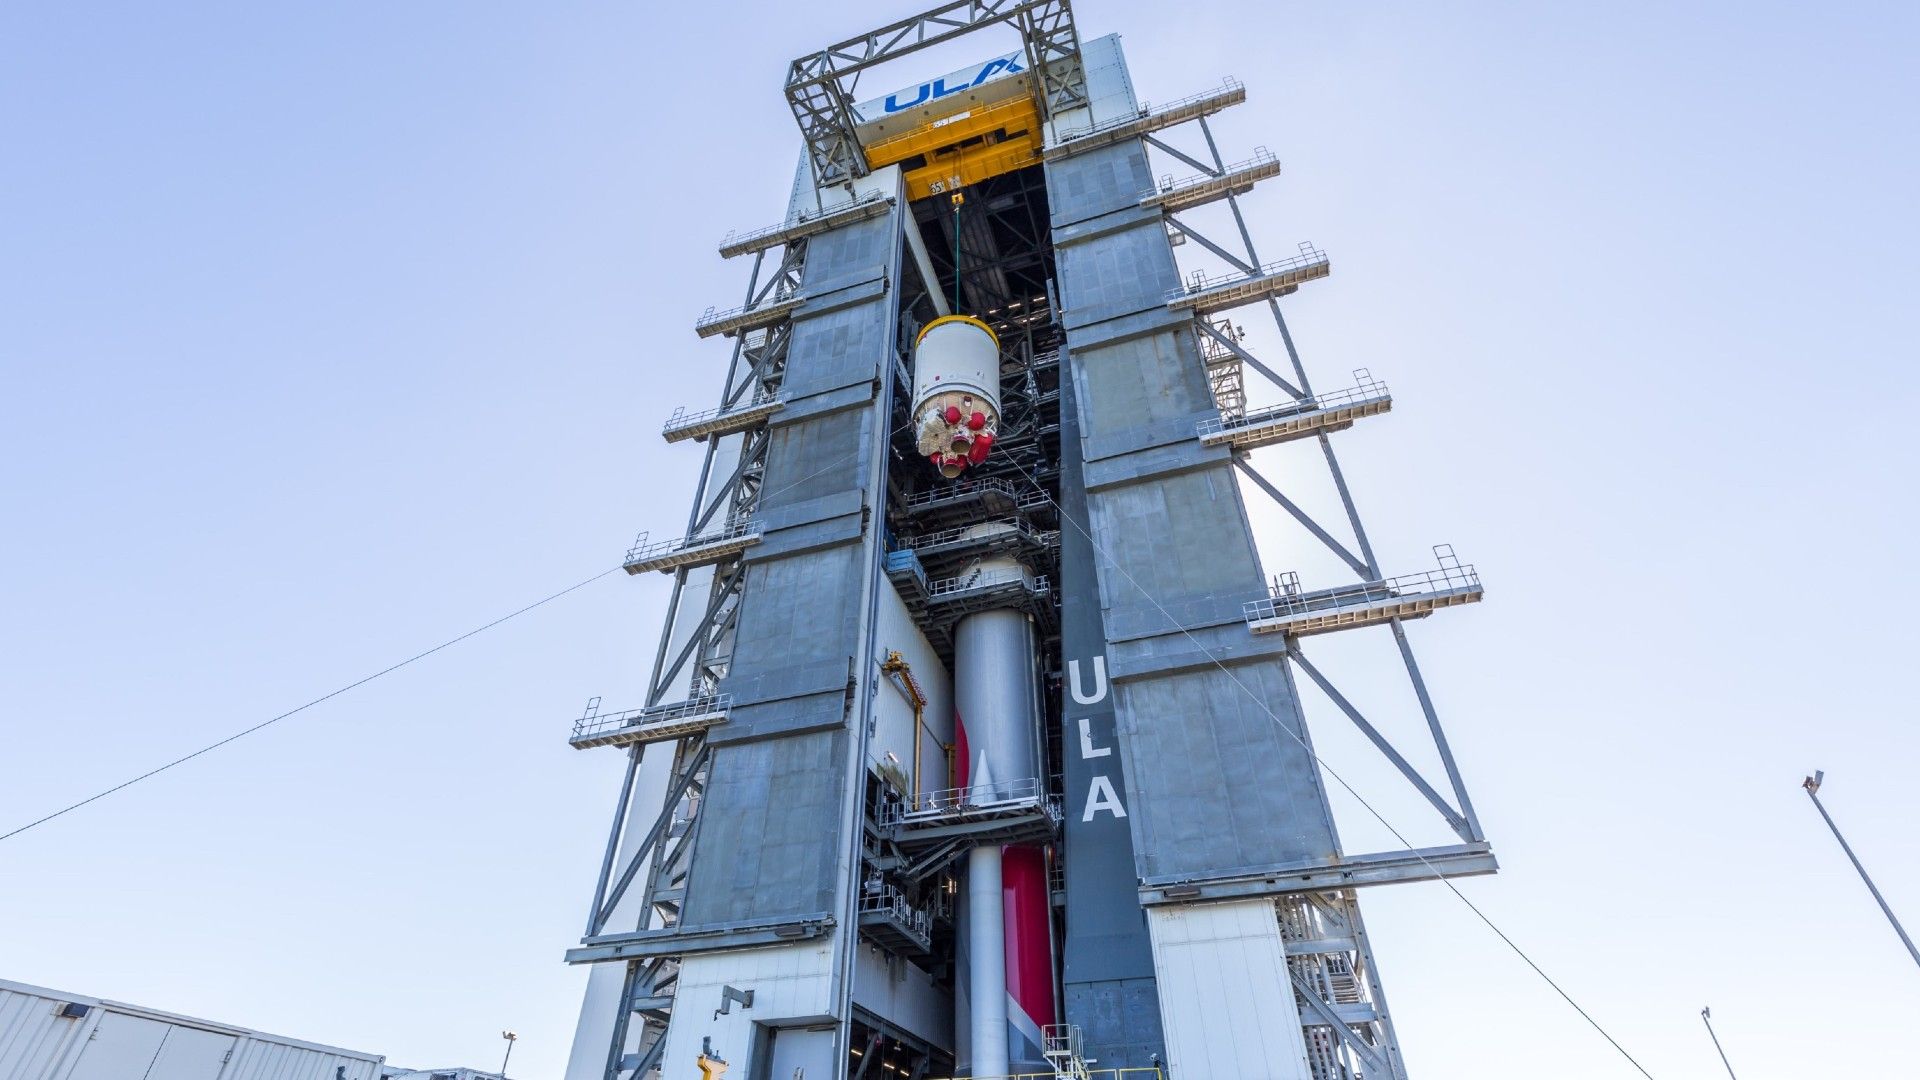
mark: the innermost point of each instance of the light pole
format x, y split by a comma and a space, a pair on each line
1706, 1018
511, 1038
1812, 784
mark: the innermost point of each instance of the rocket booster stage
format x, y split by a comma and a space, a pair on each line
956, 392
1010, 948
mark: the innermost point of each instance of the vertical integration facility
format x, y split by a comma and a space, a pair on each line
973, 744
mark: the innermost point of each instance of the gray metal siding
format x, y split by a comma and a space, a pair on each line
1214, 785
776, 799
1217, 785
768, 830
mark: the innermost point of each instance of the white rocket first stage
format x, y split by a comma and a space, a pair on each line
1008, 974
1009, 963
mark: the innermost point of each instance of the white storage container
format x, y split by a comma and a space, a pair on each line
50, 1035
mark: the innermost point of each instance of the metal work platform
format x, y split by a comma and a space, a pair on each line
1149, 119
1202, 188
1061, 1045
984, 590
1206, 295
1004, 537
871, 205
895, 925
655, 723
936, 604
975, 500
1299, 419
700, 549
1013, 812
1410, 596
725, 420
750, 317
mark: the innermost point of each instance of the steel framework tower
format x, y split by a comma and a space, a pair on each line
1045, 665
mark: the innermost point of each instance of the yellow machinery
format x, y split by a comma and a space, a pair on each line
965, 148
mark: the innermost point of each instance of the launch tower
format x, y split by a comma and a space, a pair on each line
973, 744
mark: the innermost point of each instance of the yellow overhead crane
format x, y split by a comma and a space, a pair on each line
964, 148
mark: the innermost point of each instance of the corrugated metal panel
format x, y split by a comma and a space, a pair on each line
1226, 1000
35, 1041
117, 1041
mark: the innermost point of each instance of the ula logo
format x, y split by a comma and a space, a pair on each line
938, 88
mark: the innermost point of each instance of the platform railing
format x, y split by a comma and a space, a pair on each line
1200, 282
1138, 1072
985, 532
978, 580
1262, 158
1002, 795
949, 492
681, 418
1147, 109
713, 319
1365, 388
644, 549
1288, 600
595, 722
894, 905
747, 240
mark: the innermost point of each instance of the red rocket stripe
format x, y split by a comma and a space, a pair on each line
962, 761
1023, 878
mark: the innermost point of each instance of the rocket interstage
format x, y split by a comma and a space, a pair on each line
1009, 929
956, 392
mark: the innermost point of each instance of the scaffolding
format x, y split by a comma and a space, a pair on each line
654, 723
699, 549
1368, 603
890, 921
1147, 120
1201, 188
803, 225
1208, 294
733, 321
723, 420
1336, 411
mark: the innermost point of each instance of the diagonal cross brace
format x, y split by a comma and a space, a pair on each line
660, 824
1455, 820
1303, 518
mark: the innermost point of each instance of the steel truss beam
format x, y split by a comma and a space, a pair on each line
1458, 813
820, 86
757, 366
1342, 1007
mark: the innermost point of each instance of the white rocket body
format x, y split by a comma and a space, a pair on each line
956, 392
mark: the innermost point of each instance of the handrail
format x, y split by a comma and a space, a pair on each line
1001, 795
1366, 388
595, 723
642, 550
1288, 601
1200, 282
1168, 185
987, 579
682, 418
1146, 110
734, 239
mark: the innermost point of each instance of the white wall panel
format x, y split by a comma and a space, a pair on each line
1226, 1000
893, 716
789, 983
117, 1041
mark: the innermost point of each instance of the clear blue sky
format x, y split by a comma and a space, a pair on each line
330, 331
